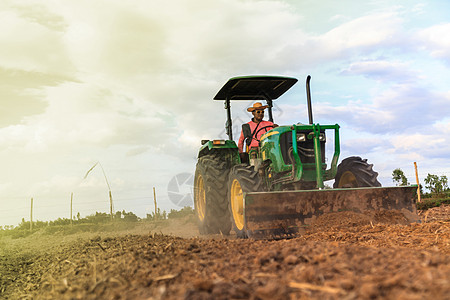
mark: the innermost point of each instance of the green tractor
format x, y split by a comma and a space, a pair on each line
274, 190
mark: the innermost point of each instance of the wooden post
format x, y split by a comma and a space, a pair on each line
71, 201
31, 215
156, 206
417, 180
110, 205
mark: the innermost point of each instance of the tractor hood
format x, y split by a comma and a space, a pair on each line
255, 88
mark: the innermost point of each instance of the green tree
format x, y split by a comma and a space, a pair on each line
436, 184
399, 178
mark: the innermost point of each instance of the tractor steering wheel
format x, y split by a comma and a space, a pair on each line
256, 133
265, 127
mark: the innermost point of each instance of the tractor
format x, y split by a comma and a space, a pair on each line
273, 190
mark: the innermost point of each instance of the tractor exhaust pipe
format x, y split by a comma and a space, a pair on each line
308, 97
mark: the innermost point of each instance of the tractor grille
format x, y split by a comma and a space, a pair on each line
305, 148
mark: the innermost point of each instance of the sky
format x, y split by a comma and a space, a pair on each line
129, 84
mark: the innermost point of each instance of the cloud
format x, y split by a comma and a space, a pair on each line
436, 39
32, 57
363, 145
432, 143
367, 31
382, 70
38, 13
397, 109
359, 36
86, 116
232, 42
49, 53
22, 93
116, 41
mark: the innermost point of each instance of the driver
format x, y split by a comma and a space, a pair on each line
253, 130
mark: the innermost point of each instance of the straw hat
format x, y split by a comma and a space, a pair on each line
257, 106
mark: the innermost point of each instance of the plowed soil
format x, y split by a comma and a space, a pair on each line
341, 256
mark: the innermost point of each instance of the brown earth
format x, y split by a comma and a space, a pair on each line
341, 256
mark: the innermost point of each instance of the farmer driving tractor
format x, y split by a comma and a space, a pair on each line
253, 130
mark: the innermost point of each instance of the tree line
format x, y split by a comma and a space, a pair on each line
437, 185
101, 218
439, 192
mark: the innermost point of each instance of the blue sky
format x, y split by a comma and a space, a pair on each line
130, 84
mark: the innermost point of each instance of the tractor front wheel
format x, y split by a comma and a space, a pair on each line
243, 179
210, 194
354, 172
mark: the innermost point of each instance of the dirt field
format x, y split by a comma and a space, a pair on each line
343, 256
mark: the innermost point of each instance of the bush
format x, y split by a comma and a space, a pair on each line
97, 218
25, 225
60, 221
158, 216
129, 217
430, 203
185, 211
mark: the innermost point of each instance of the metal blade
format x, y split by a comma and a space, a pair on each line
275, 215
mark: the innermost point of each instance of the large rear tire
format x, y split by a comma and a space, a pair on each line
243, 179
210, 194
354, 172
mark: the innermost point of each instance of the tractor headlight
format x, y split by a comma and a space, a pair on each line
301, 137
322, 137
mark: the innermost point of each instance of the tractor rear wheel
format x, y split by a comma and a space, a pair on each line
354, 172
243, 179
210, 194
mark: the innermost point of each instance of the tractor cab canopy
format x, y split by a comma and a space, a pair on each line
255, 88
266, 88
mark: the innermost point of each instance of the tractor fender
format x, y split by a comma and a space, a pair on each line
227, 146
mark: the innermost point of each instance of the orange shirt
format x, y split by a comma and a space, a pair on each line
256, 137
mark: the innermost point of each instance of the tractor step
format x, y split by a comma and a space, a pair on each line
275, 215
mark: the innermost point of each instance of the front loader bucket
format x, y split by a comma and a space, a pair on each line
272, 215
